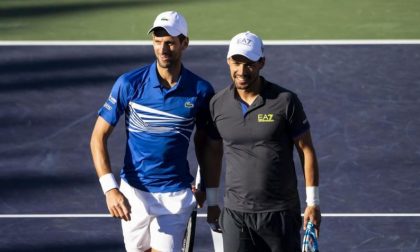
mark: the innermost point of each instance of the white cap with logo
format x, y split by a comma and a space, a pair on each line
246, 44
173, 22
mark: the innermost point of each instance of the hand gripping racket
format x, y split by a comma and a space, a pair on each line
310, 242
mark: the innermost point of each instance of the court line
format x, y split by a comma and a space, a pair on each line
217, 241
357, 215
200, 215
34, 216
206, 42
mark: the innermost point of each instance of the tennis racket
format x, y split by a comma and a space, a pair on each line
188, 243
310, 242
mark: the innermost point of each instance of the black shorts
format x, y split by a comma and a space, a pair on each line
261, 232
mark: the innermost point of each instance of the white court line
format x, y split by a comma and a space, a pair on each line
217, 241
206, 42
358, 215
200, 215
34, 216
371, 215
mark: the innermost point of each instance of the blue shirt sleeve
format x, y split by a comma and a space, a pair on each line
117, 101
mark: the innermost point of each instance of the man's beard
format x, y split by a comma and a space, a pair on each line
248, 85
165, 64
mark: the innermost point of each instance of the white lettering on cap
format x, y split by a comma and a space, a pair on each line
244, 41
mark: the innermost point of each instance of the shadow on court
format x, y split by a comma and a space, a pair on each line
50, 67
68, 235
361, 100
94, 247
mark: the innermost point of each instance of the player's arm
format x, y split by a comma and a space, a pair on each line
309, 162
117, 204
209, 153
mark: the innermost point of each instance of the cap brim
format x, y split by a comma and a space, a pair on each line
251, 56
169, 30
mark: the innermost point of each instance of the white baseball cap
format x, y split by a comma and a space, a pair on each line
173, 22
246, 44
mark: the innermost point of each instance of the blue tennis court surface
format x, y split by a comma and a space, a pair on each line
362, 101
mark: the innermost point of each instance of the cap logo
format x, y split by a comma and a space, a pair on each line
164, 19
244, 41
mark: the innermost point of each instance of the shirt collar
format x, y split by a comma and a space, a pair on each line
259, 101
153, 76
262, 91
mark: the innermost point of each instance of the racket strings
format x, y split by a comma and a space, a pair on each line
310, 242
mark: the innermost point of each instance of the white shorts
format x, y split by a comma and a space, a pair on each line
158, 220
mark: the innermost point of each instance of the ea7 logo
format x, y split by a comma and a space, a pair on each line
244, 41
265, 118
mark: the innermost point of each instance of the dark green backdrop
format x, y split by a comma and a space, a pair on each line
210, 19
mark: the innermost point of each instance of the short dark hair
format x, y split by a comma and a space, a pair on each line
181, 37
159, 30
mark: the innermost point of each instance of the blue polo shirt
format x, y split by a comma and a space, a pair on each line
159, 123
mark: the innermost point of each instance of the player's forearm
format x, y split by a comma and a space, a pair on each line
100, 157
102, 165
101, 162
213, 163
209, 157
311, 169
311, 178
308, 159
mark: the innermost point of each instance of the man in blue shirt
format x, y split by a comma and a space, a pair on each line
162, 104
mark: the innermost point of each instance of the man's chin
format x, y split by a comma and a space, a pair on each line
241, 86
165, 64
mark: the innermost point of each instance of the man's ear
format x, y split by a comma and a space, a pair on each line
261, 61
185, 43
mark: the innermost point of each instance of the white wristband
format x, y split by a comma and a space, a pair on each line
211, 196
108, 182
312, 195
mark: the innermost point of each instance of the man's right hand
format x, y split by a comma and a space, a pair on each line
118, 205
